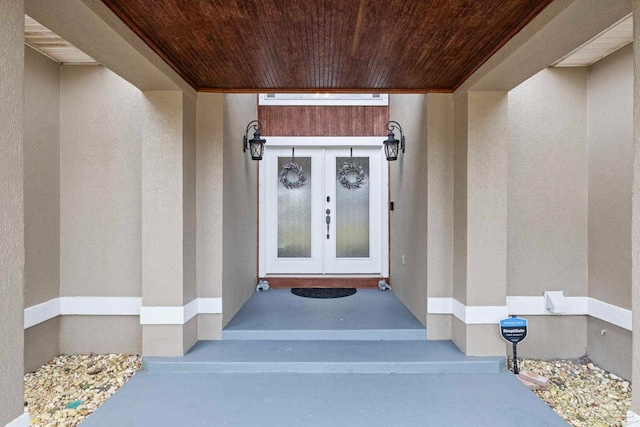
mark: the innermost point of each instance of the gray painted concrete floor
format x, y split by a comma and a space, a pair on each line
292, 382
368, 315
323, 400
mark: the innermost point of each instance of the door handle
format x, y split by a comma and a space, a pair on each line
328, 221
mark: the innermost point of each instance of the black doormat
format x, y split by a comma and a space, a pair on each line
323, 292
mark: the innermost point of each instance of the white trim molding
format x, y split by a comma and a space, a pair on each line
530, 306
87, 306
325, 141
100, 306
535, 306
470, 315
209, 305
180, 315
478, 315
339, 99
610, 313
40, 313
119, 306
23, 420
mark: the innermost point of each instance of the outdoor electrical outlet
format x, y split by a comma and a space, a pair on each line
404, 261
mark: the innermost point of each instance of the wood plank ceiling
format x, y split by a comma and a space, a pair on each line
326, 45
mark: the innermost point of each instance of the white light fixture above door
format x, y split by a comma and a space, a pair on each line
326, 99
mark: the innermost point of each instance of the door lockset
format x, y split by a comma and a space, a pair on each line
328, 220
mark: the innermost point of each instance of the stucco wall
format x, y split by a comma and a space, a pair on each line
635, 219
100, 334
439, 208
610, 154
100, 180
189, 199
480, 213
570, 187
11, 210
547, 197
41, 178
460, 121
162, 199
553, 337
169, 216
609, 346
408, 220
209, 137
610, 177
41, 201
100, 204
239, 211
41, 344
487, 176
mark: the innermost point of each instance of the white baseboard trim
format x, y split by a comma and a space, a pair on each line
478, 315
610, 313
209, 305
530, 306
83, 306
163, 315
22, 421
180, 315
40, 313
535, 306
100, 306
119, 306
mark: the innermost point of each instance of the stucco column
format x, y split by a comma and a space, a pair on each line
209, 136
635, 224
480, 221
439, 209
11, 212
169, 312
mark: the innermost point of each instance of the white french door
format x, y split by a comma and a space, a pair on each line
323, 211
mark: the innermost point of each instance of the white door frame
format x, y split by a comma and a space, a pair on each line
322, 142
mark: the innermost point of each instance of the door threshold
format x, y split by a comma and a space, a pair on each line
324, 281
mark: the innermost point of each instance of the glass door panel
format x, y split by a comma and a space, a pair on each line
352, 207
353, 184
322, 212
293, 205
294, 208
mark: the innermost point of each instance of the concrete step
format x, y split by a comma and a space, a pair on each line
418, 334
367, 315
298, 356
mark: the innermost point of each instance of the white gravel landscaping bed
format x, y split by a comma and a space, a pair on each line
582, 393
67, 389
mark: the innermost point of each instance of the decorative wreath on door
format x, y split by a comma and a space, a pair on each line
293, 169
352, 176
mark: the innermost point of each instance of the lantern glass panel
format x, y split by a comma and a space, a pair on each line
391, 150
256, 147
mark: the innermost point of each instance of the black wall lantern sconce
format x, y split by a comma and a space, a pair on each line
255, 144
391, 145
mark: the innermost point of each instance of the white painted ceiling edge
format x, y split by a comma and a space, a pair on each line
51, 45
613, 38
558, 30
97, 31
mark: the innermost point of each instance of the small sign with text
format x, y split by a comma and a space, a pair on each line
514, 330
